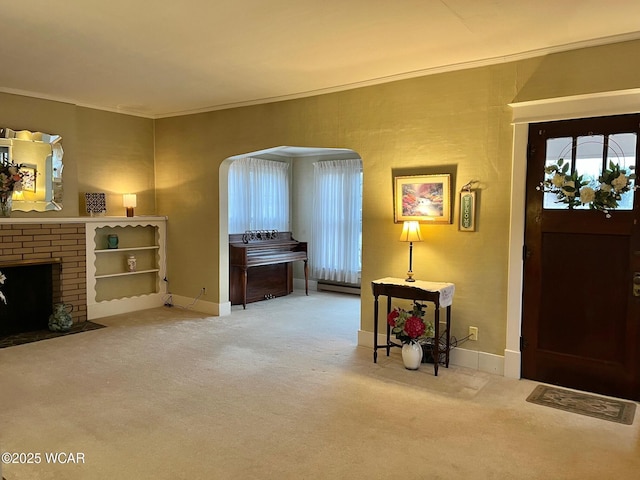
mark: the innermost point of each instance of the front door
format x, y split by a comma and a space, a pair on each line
581, 318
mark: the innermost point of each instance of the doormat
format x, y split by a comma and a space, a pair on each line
36, 336
584, 404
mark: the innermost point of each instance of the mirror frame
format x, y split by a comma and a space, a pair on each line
53, 171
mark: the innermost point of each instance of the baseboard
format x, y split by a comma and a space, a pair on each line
202, 306
462, 357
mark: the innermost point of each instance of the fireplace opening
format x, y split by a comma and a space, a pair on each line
31, 288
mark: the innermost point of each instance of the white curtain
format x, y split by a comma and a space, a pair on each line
335, 249
258, 195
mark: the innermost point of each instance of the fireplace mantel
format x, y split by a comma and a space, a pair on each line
97, 219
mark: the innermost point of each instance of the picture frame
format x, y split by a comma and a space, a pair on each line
425, 198
29, 177
467, 214
96, 203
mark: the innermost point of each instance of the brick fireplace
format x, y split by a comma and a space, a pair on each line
41, 241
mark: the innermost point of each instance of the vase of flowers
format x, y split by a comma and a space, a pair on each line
410, 328
10, 181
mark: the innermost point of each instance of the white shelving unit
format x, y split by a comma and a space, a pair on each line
111, 288
120, 250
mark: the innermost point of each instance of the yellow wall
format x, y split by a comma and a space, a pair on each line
103, 152
457, 123
116, 156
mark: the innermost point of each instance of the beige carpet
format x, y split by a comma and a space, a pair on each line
280, 391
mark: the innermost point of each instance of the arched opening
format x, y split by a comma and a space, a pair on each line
301, 159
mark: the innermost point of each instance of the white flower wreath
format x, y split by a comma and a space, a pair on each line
574, 190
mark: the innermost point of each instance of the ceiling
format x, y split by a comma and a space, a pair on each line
163, 58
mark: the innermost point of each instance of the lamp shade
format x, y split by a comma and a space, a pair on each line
129, 200
411, 232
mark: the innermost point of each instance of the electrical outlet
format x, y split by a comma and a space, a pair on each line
473, 333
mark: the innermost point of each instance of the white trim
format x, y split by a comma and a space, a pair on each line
102, 219
562, 108
98, 309
512, 362
577, 106
516, 243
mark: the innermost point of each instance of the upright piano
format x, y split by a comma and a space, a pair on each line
260, 265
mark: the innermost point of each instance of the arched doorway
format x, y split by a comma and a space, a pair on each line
302, 159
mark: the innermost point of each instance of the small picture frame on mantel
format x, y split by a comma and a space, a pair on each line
96, 203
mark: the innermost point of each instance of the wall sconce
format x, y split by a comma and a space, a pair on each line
411, 233
129, 202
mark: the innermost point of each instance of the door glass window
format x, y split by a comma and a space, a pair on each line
623, 152
590, 156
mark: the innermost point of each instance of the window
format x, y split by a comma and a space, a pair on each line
335, 250
590, 155
258, 195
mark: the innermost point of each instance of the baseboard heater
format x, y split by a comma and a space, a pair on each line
327, 286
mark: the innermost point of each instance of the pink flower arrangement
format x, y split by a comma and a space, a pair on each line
409, 326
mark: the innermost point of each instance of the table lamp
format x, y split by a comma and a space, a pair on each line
129, 202
411, 233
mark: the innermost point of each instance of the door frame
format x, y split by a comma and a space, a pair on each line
523, 113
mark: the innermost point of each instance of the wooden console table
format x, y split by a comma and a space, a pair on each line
438, 293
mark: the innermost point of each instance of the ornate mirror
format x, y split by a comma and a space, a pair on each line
40, 157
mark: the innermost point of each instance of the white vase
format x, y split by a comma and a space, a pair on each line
131, 263
412, 355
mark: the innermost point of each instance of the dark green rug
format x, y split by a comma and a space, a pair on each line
584, 403
36, 336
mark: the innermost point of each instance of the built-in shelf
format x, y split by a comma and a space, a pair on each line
126, 249
111, 287
121, 274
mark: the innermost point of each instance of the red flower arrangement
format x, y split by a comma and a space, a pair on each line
10, 177
409, 326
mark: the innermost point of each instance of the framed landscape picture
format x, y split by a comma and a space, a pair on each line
425, 198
